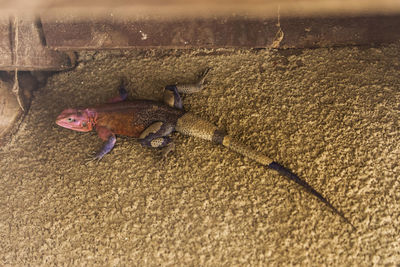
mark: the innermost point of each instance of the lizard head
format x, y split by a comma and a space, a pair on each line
75, 119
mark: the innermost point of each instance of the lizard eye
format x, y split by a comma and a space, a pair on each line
84, 124
71, 120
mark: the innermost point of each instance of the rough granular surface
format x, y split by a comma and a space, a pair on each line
330, 115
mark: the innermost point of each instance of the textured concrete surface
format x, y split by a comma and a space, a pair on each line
331, 115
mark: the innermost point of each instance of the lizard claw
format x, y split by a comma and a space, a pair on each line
94, 157
203, 75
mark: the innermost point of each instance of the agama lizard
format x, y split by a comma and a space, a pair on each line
152, 122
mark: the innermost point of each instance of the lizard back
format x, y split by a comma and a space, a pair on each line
131, 118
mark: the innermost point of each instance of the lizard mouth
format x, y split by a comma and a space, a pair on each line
75, 127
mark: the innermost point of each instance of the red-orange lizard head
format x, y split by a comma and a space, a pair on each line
75, 119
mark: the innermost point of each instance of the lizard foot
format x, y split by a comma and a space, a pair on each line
203, 75
166, 150
93, 157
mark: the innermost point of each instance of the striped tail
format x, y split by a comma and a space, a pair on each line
192, 125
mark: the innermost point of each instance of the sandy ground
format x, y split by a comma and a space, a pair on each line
331, 115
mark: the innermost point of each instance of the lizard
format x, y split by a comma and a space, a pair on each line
152, 122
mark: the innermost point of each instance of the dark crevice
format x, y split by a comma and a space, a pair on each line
11, 39
39, 27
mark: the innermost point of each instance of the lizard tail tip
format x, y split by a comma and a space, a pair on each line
290, 175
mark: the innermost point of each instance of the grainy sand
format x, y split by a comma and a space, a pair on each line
331, 115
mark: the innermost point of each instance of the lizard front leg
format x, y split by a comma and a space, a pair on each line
123, 94
109, 137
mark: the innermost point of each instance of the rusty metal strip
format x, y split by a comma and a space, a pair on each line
221, 32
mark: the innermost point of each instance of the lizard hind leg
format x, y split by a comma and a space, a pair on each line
172, 93
193, 87
156, 135
172, 97
158, 142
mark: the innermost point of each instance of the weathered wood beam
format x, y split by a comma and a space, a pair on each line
23, 47
235, 31
200, 8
